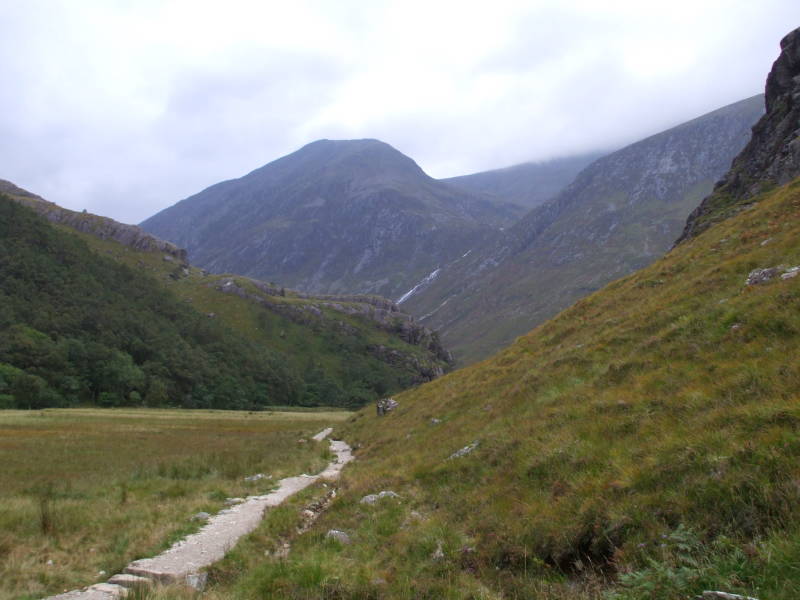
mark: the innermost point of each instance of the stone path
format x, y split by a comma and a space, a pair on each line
184, 560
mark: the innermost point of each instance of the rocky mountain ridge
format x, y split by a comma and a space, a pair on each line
102, 227
622, 212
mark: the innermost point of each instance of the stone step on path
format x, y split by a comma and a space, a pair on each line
183, 561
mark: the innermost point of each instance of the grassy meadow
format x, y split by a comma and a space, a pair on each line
85, 491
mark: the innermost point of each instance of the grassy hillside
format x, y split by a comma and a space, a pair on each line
642, 444
140, 298
78, 328
343, 359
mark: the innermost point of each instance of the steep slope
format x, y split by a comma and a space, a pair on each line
336, 350
644, 443
334, 217
620, 214
773, 155
528, 184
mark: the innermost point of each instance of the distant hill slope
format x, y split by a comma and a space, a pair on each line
618, 215
343, 350
644, 443
334, 217
528, 184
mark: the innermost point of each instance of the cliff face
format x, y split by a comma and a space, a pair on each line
772, 157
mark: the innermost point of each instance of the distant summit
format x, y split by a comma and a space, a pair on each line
336, 216
528, 184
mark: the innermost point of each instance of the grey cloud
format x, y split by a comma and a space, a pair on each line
553, 82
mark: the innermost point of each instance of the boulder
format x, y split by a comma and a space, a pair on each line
757, 276
373, 498
386, 405
339, 536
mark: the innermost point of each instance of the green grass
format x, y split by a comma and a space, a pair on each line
91, 490
643, 443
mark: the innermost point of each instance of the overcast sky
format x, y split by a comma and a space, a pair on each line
125, 107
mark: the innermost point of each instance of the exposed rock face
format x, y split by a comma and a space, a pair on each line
773, 155
621, 213
334, 217
102, 227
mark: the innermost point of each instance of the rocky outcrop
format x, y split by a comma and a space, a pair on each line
376, 301
385, 406
102, 227
377, 310
772, 157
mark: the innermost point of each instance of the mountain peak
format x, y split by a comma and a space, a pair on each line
345, 159
335, 216
781, 80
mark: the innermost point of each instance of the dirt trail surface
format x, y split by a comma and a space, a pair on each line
183, 561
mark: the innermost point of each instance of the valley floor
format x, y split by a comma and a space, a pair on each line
85, 491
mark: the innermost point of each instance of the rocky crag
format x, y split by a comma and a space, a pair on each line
772, 157
102, 227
